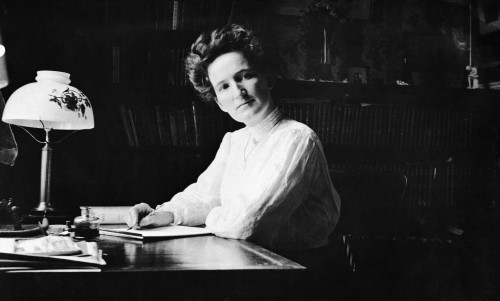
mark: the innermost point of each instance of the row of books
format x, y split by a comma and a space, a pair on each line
335, 124
428, 185
148, 64
159, 126
150, 175
176, 15
385, 125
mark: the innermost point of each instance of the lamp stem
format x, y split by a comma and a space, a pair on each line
45, 173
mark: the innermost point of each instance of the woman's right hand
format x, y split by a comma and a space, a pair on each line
136, 214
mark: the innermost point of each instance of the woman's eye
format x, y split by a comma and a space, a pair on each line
248, 75
224, 87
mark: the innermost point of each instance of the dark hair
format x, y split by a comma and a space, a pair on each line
209, 46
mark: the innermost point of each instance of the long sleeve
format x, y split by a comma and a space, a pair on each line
277, 181
276, 193
191, 206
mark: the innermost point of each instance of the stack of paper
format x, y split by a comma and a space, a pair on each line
170, 231
49, 253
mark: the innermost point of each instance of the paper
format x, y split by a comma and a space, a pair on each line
47, 253
167, 231
48, 245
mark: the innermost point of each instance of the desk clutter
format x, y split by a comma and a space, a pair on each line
51, 248
49, 254
74, 247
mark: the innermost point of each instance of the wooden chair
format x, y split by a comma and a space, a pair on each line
386, 258
372, 207
367, 205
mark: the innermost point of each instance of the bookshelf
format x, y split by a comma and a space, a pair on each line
444, 144
442, 140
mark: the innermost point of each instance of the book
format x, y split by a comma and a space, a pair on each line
115, 70
173, 128
110, 214
170, 231
132, 126
198, 124
150, 123
127, 125
175, 15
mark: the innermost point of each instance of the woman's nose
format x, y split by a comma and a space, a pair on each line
239, 92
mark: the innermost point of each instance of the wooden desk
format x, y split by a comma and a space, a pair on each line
199, 253
194, 268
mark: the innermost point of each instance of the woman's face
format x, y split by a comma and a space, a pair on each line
241, 91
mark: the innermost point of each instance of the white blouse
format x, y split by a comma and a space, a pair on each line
268, 184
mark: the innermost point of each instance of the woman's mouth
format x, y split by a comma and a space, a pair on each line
246, 103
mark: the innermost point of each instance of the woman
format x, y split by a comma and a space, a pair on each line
269, 181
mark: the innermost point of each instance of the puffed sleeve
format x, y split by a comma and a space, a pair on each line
191, 206
270, 196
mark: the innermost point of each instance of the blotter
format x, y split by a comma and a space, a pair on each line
170, 231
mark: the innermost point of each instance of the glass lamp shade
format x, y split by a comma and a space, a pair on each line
51, 101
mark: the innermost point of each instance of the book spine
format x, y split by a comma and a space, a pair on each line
162, 126
173, 128
115, 68
323, 114
338, 124
133, 127
181, 127
197, 125
175, 15
150, 126
126, 125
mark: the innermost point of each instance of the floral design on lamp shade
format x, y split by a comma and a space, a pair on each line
72, 100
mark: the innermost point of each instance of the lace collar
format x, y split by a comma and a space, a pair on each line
259, 130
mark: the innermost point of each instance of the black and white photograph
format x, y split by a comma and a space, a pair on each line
250, 150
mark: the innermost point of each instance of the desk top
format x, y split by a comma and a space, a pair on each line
203, 253
192, 268
190, 253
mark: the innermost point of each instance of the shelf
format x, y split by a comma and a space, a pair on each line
346, 93
138, 37
162, 150
151, 93
399, 155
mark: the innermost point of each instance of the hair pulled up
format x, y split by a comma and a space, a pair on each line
209, 46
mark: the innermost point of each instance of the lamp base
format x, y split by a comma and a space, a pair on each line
44, 207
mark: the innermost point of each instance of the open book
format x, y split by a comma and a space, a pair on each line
161, 232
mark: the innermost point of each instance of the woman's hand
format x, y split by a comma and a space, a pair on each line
136, 214
157, 219
143, 216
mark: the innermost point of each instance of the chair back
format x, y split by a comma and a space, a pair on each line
372, 202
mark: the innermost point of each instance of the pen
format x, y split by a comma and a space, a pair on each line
149, 214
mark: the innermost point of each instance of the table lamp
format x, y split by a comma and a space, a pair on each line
50, 103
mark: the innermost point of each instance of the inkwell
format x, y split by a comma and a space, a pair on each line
87, 224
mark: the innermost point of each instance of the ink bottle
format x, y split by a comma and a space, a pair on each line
86, 225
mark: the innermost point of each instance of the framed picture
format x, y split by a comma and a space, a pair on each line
357, 75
